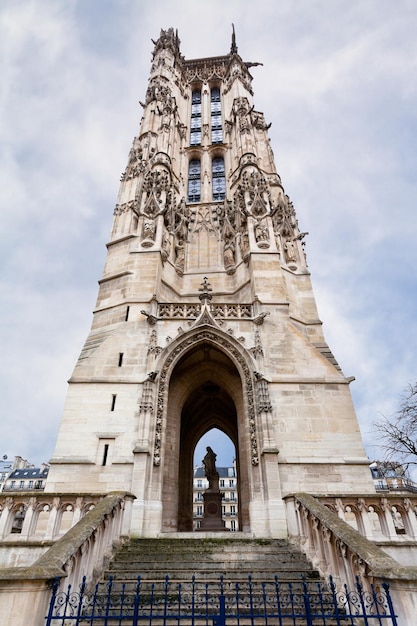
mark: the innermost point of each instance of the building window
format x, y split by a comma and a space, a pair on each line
232, 495
216, 116
113, 402
31, 484
127, 313
199, 511
105, 454
218, 178
22, 484
199, 496
233, 525
232, 509
199, 484
194, 181
231, 483
195, 131
221, 482
120, 359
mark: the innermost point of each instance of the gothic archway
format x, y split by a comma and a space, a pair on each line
205, 382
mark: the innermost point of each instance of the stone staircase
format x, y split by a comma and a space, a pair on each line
212, 581
206, 559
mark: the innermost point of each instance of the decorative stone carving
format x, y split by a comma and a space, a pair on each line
119, 209
258, 121
146, 403
151, 319
205, 217
247, 383
165, 246
193, 310
156, 189
241, 111
256, 193
205, 289
286, 231
257, 349
153, 348
259, 319
136, 162
229, 254
179, 257
179, 220
203, 71
238, 71
148, 232
261, 234
264, 402
168, 40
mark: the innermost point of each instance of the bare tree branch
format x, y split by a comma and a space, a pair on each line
399, 432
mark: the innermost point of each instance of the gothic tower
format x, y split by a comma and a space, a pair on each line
206, 318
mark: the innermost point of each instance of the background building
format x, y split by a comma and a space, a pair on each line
229, 490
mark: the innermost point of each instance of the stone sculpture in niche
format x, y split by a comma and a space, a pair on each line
179, 257
261, 234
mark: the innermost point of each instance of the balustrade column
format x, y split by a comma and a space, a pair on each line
126, 513
50, 528
7, 505
340, 509
367, 527
411, 517
77, 511
27, 522
389, 522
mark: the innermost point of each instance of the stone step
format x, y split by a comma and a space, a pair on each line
207, 559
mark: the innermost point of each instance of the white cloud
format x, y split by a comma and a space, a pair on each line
338, 83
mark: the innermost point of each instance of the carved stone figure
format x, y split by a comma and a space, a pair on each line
179, 257
148, 231
289, 248
229, 253
261, 234
166, 246
241, 110
209, 463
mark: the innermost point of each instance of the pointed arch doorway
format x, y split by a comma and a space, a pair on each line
205, 392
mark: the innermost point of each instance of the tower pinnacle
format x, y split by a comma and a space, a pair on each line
233, 47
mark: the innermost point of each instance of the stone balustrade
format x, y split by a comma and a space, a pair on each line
391, 517
96, 525
41, 517
340, 536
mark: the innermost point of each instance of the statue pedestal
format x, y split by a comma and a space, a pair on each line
212, 520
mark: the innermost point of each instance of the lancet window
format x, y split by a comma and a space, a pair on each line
195, 132
194, 181
216, 116
218, 178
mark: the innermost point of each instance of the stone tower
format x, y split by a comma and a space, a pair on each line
206, 318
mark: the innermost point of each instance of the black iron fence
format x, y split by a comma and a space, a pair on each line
221, 603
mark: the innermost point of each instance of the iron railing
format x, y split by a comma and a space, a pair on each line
220, 603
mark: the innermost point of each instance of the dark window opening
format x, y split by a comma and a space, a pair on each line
105, 453
120, 359
113, 402
127, 313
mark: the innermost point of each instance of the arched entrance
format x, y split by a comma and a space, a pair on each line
207, 389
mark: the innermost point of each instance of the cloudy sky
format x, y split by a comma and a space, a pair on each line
339, 84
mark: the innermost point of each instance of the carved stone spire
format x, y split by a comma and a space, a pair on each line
233, 47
